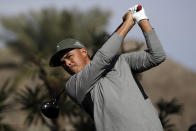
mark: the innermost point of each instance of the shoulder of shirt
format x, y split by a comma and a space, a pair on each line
73, 77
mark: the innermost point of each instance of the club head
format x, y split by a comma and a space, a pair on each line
50, 109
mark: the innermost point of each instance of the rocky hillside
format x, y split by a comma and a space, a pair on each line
171, 80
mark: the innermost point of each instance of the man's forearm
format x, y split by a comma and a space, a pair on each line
125, 28
145, 25
113, 44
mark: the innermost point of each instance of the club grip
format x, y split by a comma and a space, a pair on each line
139, 7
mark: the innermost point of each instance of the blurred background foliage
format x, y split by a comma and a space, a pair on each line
5, 105
35, 35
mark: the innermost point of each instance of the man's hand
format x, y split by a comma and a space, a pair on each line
128, 17
138, 15
127, 24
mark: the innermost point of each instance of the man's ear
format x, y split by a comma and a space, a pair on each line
84, 51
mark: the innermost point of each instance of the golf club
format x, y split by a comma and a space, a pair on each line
51, 109
139, 7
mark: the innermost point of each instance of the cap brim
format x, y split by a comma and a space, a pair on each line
55, 59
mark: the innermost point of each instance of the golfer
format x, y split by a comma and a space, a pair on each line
105, 86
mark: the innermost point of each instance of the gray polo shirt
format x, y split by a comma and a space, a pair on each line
116, 101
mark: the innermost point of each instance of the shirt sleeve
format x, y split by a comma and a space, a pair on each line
140, 61
81, 83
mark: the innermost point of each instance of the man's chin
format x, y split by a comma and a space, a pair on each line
74, 71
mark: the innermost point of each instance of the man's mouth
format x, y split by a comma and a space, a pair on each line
72, 67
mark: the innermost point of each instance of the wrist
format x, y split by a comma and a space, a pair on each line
125, 28
145, 25
129, 22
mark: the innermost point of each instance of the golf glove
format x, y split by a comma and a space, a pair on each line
138, 15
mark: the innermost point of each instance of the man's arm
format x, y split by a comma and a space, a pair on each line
143, 60
153, 56
81, 83
127, 24
110, 48
145, 25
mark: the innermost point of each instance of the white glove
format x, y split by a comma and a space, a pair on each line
138, 15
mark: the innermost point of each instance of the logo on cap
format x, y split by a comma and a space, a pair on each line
57, 46
78, 44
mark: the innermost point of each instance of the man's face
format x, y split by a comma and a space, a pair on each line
75, 60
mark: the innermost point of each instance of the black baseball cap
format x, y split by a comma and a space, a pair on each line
63, 47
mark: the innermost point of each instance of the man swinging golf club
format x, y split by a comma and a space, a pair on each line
105, 86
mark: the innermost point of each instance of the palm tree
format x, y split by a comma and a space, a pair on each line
5, 105
167, 108
30, 100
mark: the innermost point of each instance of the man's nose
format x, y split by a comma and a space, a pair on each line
68, 63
